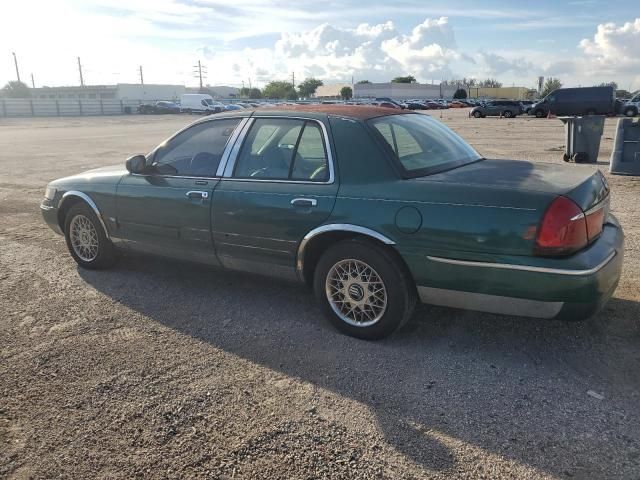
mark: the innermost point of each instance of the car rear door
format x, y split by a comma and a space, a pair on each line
167, 210
277, 186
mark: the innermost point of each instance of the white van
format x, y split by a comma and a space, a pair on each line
199, 103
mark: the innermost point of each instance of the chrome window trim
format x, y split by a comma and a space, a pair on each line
90, 202
229, 143
525, 268
228, 171
335, 227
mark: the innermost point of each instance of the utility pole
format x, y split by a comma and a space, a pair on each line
33, 83
293, 79
200, 72
15, 60
250, 83
141, 77
80, 70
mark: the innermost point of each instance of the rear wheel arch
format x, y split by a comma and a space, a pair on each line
321, 239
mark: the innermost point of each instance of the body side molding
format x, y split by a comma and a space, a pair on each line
335, 227
89, 201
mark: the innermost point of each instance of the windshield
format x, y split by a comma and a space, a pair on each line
208, 101
422, 145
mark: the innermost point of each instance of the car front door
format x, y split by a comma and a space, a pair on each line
167, 210
277, 186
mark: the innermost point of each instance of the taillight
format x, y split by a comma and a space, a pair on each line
595, 220
563, 229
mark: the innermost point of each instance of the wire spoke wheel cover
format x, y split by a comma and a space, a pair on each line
84, 238
356, 293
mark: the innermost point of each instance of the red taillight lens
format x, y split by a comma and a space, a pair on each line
563, 229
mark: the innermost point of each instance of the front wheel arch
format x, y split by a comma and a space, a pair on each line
73, 197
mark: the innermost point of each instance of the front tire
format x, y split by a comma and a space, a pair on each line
630, 112
507, 114
539, 114
363, 290
477, 114
86, 239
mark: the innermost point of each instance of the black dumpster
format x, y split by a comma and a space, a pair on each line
582, 138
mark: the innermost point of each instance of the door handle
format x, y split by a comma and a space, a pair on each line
197, 194
304, 202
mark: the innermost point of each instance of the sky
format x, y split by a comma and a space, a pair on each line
582, 42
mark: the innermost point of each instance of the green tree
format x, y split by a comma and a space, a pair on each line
279, 89
308, 86
346, 92
460, 93
255, 93
243, 92
608, 84
15, 89
490, 83
623, 94
363, 81
550, 84
407, 79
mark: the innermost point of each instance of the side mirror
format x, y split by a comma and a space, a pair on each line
136, 164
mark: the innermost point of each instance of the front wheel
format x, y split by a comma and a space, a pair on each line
539, 114
477, 114
507, 114
86, 239
363, 289
630, 112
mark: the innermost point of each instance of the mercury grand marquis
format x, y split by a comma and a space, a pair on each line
374, 208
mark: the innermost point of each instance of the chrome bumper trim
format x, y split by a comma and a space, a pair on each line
482, 302
525, 268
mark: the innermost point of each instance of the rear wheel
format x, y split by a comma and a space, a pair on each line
507, 114
86, 239
539, 114
477, 114
363, 289
630, 112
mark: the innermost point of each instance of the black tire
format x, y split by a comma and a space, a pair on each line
539, 113
106, 255
398, 285
630, 112
566, 157
477, 114
507, 114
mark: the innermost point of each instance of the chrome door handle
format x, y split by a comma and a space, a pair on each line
304, 202
197, 194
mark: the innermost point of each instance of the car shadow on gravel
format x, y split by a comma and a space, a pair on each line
516, 388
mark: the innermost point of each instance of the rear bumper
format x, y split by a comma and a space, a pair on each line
50, 215
541, 291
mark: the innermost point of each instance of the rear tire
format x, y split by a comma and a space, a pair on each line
86, 239
507, 114
477, 114
364, 291
630, 112
539, 113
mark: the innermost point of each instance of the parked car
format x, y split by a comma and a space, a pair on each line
526, 105
388, 100
577, 101
506, 108
199, 103
233, 106
631, 107
372, 207
458, 104
413, 105
394, 105
159, 107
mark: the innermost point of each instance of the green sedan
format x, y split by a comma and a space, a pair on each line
373, 208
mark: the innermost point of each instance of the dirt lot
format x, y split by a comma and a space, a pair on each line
158, 370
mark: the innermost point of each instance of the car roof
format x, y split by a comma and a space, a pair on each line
360, 112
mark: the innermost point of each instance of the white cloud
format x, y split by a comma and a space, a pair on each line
614, 50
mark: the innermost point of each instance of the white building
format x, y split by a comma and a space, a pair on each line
403, 91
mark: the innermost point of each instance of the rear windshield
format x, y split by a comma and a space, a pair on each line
422, 145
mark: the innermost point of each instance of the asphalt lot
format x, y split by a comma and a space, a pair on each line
159, 370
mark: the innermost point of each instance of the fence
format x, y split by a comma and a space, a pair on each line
27, 107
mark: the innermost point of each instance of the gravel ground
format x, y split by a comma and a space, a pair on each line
160, 370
